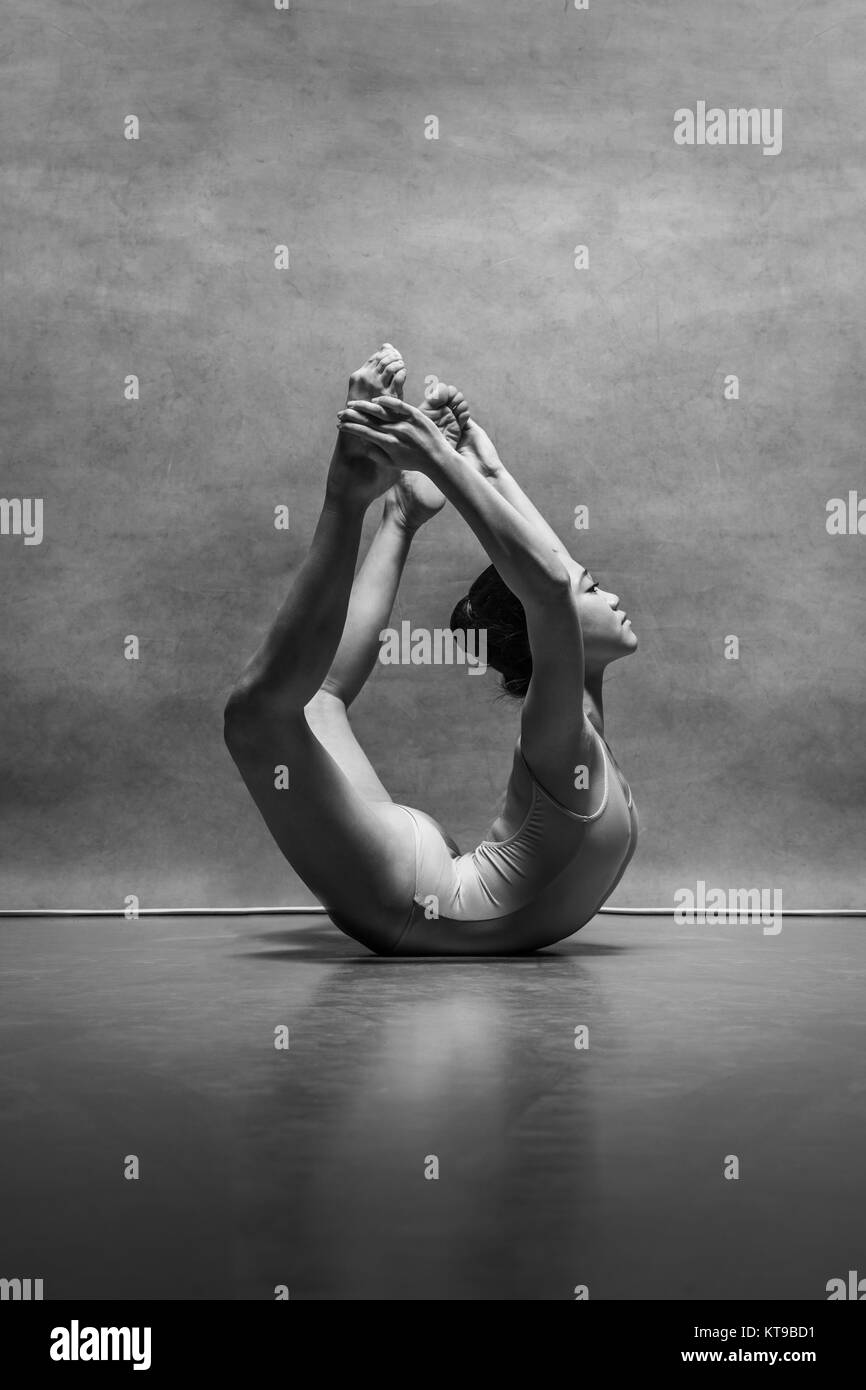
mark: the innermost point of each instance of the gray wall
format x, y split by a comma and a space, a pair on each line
602, 386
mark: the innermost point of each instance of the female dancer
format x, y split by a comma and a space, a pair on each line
389, 875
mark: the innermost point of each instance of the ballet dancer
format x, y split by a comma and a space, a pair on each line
390, 876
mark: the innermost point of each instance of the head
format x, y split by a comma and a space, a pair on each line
491, 605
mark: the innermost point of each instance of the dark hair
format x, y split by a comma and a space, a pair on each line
490, 605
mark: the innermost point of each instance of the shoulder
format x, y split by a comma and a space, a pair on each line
572, 770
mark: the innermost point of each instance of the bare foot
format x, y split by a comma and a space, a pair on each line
414, 499
383, 374
359, 470
448, 411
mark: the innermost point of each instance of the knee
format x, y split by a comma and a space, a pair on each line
326, 705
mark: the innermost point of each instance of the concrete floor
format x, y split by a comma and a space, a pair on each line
557, 1167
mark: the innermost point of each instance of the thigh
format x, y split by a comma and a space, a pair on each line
355, 854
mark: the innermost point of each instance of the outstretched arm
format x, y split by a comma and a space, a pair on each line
477, 446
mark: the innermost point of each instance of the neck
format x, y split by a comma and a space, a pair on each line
593, 707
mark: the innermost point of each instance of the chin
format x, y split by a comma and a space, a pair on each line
625, 647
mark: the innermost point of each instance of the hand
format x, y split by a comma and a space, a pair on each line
414, 499
404, 434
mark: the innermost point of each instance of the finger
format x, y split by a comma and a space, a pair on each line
421, 418
399, 378
397, 407
372, 436
377, 426
366, 408
352, 417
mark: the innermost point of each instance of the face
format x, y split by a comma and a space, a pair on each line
606, 628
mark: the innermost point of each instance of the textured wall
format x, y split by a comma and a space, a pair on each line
603, 386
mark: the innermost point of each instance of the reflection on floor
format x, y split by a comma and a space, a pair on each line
558, 1166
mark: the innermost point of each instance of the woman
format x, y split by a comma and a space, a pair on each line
389, 875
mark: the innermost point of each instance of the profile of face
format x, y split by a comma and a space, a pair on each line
490, 607
606, 628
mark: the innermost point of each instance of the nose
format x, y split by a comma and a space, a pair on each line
613, 599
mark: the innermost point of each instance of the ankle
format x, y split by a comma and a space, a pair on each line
342, 492
393, 514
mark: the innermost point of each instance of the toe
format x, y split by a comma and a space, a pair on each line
449, 425
390, 369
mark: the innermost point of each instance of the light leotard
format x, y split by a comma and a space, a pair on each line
538, 886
